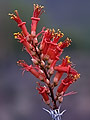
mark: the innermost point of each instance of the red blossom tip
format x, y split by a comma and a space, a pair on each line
24, 65
76, 77
66, 61
49, 34
57, 36
38, 10
20, 37
66, 43
15, 17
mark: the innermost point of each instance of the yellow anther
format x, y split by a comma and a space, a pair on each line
59, 32
50, 30
59, 44
53, 37
62, 34
76, 77
59, 35
17, 62
11, 18
10, 14
37, 6
56, 33
70, 40
16, 34
53, 34
58, 29
15, 11
53, 30
42, 6
68, 59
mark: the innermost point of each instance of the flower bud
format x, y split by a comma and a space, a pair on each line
42, 63
42, 56
41, 78
41, 71
46, 57
50, 61
55, 80
51, 71
33, 53
31, 47
38, 50
60, 99
35, 41
35, 61
41, 47
47, 81
48, 66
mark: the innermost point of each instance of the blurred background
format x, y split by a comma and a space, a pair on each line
19, 99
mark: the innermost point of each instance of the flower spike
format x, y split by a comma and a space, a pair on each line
44, 55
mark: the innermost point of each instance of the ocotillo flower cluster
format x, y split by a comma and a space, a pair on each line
44, 55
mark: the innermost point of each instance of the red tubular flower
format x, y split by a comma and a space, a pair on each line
57, 54
66, 67
28, 68
43, 92
36, 14
61, 87
71, 79
63, 68
50, 48
19, 22
32, 70
53, 49
66, 83
46, 41
24, 41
